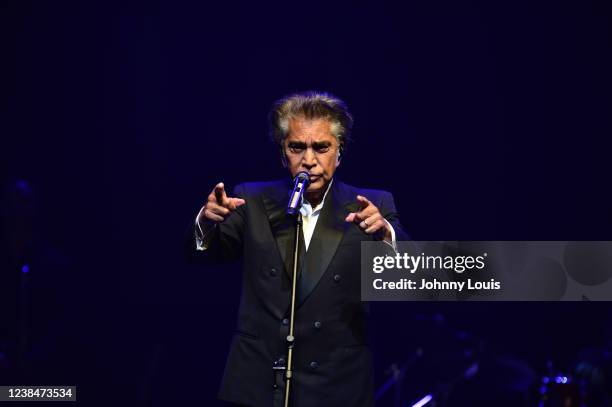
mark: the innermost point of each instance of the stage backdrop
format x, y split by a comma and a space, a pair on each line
486, 120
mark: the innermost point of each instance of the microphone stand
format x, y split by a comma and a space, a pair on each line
291, 337
293, 209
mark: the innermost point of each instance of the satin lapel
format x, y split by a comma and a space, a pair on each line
282, 226
325, 240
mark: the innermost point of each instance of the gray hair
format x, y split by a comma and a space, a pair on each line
310, 105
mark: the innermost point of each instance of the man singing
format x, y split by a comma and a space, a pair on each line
331, 360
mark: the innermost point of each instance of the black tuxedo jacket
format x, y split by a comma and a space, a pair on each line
332, 361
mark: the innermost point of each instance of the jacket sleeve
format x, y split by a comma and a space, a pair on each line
388, 210
217, 242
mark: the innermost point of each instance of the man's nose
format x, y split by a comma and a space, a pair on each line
309, 160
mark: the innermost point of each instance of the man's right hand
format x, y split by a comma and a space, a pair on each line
219, 206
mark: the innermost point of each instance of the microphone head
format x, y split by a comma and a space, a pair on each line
301, 183
302, 176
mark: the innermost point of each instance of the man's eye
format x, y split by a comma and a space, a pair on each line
296, 150
324, 149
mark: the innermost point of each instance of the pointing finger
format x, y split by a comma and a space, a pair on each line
363, 201
220, 193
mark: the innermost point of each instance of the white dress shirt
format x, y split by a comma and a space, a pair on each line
310, 216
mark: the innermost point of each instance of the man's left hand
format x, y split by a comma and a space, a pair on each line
369, 219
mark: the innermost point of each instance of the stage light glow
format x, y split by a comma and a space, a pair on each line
423, 401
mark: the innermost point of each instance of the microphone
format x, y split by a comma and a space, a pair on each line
295, 201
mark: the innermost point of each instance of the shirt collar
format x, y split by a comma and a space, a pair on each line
306, 208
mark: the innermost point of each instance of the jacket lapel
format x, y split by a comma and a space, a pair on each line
327, 235
282, 225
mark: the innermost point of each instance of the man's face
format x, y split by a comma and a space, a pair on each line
310, 146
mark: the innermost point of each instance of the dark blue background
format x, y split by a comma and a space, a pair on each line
487, 120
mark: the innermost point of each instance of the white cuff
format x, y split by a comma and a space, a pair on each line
392, 243
202, 237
